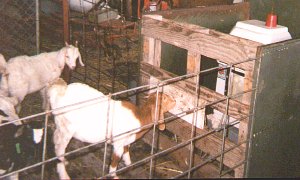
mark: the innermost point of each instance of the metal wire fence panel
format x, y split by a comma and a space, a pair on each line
18, 27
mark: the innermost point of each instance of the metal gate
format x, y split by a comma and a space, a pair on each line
274, 139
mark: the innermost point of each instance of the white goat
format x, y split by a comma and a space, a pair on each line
2, 64
7, 106
87, 122
28, 74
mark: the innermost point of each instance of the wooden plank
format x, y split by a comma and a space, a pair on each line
208, 44
65, 3
193, 63
182, 155
151, 51
247, 86
146, 49
210, 144
242, 136
236, 108
157, 53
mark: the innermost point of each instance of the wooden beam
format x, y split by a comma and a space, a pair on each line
193, 63
236, 109
65, 4
157, 53
248, 80
210, 144
212, 44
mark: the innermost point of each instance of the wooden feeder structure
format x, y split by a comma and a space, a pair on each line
201, 33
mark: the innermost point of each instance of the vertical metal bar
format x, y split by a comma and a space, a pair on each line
156, 115
226, 121
194, 120
37, 24
246, 171
108, 133
45, 145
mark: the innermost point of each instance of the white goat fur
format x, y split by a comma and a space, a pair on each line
7, 105
88, 122
28, 74
2, 64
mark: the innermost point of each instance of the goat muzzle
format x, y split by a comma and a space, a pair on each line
162, 126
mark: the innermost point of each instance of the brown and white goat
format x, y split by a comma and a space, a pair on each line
87, 122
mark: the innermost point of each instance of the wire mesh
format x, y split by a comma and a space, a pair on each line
18, 36
18, 27
154, 155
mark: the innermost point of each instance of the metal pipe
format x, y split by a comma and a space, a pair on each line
44, 145
226, 121
248, 149
194, 120
108, 133
156, 117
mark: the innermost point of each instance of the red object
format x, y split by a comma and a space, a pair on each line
164, 5
271, 20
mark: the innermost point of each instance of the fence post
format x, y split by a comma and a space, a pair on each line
65, 4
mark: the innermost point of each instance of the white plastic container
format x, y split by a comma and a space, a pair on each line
256, 30
153, 6
82, 5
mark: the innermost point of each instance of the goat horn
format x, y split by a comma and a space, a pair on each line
76, 43
66, 43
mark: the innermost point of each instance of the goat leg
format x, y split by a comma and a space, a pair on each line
126, 156
115, 159
61, 141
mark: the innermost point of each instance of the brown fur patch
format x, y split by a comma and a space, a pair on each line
114, 160
145, 113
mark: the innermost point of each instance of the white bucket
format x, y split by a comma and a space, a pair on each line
82, 5
152, 6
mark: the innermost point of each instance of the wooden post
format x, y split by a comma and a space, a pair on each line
139, 9
193, 64
244, 125
154, 56
65, 4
